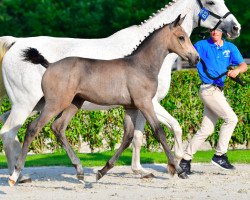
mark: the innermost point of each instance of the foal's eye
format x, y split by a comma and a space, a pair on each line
211, 3
182, 38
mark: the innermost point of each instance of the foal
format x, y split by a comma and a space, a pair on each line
130, 81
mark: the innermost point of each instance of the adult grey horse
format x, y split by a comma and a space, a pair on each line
22, 80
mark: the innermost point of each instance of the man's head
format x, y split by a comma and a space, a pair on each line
216, 35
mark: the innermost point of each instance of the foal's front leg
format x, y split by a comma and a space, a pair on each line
146, 107
129, 124
164, 117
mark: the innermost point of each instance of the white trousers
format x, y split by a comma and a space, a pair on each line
215, 106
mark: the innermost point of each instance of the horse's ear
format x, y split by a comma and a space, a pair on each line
177, 22
181, 20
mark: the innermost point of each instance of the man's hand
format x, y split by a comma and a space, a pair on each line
240, 69
233, 73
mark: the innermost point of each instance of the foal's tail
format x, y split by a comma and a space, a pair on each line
34, 56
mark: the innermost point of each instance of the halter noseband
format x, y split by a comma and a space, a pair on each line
204, 13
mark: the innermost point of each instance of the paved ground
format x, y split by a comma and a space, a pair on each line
56, 183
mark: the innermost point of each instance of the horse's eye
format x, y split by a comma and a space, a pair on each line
182, 38
211, 3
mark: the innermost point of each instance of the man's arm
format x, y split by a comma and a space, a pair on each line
240, 69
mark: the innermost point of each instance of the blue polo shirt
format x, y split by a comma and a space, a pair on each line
217, 59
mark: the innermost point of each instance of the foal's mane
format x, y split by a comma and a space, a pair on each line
149, 34
146, 39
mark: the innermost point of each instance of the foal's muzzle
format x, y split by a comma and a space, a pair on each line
193, 59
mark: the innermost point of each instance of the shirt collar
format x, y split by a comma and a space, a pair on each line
211, 43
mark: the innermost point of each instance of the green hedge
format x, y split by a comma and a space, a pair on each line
182, 102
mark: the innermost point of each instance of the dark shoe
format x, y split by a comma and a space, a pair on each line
222, 162
186, 166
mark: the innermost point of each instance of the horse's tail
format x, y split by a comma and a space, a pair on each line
34, 56
6, 43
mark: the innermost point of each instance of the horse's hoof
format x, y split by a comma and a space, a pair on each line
171, 169
11, 182
80, 177
183, 175
98, 175
136, 172
150, 175
24, 179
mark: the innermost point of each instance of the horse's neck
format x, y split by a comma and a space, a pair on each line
153, 50
169, 14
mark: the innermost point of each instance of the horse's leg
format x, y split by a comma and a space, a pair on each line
136, 145
4, 117
129, 123
164, 117
33, 129
11, 145
146, 107
59, 126
24, 93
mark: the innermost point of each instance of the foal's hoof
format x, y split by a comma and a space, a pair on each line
171, 169
11, 182
183, 175
80, 177
98, 175
150, 175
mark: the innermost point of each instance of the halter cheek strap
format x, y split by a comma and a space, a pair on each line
220, 19
204, 13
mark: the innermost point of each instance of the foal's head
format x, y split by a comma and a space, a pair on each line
179, 42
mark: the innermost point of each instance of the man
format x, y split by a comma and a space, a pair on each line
216, 56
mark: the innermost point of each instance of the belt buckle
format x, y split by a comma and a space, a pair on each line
220, 87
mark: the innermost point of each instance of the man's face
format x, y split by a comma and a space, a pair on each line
216, 35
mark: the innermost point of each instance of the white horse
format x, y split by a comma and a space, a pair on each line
22, 80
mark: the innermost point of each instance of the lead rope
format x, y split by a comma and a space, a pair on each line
236, 79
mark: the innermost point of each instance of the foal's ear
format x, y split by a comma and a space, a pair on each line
177, 22
181, 20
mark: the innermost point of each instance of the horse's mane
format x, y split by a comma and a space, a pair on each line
159, 11
148, 35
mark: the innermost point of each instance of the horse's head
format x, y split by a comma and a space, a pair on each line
214, 14
180, 43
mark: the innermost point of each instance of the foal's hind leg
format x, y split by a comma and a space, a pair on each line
32, 131
146, 107
129, 124
59, 126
